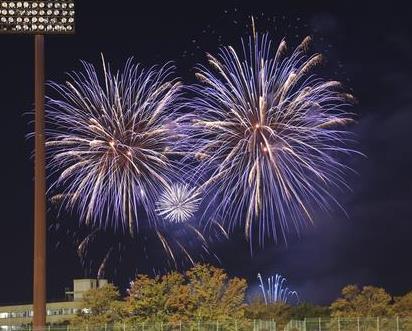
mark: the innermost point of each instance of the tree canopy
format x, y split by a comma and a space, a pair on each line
205, 294
102, 306
369, 301
403, 305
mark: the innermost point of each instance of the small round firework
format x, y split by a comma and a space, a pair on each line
178, 203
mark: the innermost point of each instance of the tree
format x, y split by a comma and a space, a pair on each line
369, 302
203, 293
101, 306
308, 310
214, 295
279, 312
157, 299
403, 309
403, 305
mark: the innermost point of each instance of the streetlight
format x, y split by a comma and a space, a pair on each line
38, 18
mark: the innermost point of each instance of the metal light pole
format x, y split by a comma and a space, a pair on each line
38, 18
40, 223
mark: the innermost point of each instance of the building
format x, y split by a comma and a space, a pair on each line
57, 312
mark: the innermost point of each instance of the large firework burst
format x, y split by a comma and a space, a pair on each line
269, 137
111, 141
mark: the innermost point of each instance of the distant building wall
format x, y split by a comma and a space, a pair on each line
102, 282
80, 286
57, 312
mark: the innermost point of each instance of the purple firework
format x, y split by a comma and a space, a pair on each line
270, 137
111, 142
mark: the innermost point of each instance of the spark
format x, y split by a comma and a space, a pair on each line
103, 253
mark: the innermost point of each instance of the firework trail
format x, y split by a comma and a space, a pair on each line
151, 251
113, 142
270, 137
178, 203
276, 290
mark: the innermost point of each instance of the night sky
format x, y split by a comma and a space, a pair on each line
368, 46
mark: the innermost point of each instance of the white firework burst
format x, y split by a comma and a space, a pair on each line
178, 203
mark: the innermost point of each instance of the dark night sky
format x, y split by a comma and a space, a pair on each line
371, 47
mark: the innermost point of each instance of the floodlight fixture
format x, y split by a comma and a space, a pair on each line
37, 17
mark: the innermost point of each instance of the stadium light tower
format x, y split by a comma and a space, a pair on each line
38, 18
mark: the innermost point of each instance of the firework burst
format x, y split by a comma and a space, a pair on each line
178, 203
270, 137
112, 141
276, 290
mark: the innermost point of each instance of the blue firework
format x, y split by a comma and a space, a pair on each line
270, 137
112, 141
